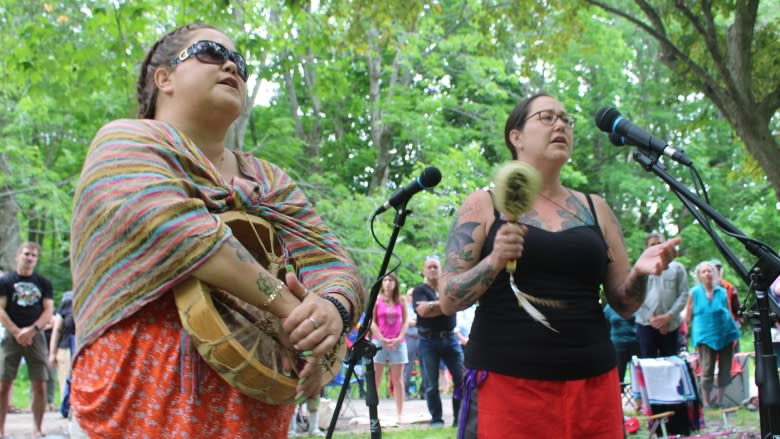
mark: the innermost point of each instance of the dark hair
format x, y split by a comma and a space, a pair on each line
654, 235
163, 51
516, 120
396, 291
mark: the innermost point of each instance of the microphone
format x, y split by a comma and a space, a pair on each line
623, 132
430, 177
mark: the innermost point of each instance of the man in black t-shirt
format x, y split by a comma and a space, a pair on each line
437, 341
26, 304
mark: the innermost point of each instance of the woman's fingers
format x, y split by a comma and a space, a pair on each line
295, 286
319, 321
509, 241
309, 381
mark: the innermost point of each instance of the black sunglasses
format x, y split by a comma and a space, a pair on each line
211, 52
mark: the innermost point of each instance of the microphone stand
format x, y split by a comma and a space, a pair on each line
364, 348
759, 279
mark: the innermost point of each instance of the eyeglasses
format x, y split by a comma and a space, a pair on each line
211, 52
432, 258
548, 117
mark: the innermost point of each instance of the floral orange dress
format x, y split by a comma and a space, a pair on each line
141, 359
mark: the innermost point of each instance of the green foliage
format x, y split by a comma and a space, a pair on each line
450, 72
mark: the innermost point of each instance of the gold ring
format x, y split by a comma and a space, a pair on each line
314, 323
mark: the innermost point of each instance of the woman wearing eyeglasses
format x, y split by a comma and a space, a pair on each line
526, 379
145, 219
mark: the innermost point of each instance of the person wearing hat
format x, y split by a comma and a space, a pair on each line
59, 344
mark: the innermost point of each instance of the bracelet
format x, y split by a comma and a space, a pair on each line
274, 294
342, 312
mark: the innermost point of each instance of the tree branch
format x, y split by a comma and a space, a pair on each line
708, 32
739, 41
708, 84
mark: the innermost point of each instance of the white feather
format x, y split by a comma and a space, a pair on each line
526, 305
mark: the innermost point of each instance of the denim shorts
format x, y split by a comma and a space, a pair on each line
397, 355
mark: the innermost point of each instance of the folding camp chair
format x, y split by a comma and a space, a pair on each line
670, 400
627, 397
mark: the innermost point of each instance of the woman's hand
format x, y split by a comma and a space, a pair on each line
656, 259
391, 343
313, 328
508, 244
310, 384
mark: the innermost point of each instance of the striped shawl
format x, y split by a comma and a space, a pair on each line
144, 219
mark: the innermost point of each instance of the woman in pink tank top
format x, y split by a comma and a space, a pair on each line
388, 329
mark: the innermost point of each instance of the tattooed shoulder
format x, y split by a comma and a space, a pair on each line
462, 236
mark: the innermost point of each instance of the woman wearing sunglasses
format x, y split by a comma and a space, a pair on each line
145, 219
526, 379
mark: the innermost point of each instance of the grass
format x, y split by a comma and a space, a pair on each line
408, 433
21, 397
742, 419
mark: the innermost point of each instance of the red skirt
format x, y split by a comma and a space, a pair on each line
511, 407
140, 379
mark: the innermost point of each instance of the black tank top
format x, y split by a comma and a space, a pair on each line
570, 266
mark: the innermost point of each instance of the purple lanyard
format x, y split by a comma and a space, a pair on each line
471, 380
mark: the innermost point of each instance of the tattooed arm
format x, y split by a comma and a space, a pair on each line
234, 270
465, 278
625, 287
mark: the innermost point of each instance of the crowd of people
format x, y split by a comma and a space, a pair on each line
677, 316
131, 364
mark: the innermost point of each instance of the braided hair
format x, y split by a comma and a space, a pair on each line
163, 51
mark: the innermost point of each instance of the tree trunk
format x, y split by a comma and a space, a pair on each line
9, 238
235, 135
754, 131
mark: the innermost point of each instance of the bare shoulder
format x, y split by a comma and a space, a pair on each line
604, 211
478, 199
477, 207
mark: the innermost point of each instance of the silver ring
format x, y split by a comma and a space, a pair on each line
314, 323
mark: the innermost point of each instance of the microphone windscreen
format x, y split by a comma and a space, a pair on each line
430, 177
605, 118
